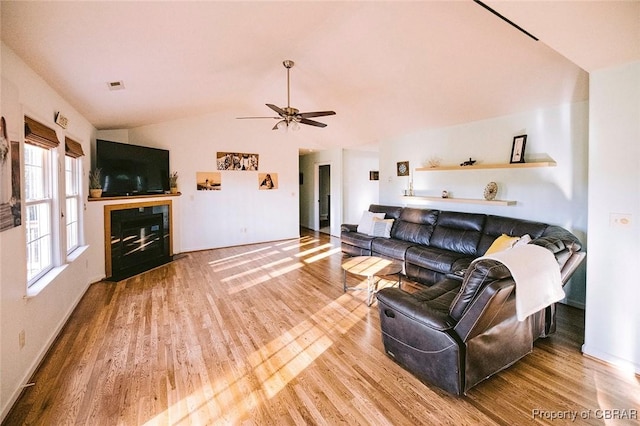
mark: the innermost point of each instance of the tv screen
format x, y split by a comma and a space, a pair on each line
131, 169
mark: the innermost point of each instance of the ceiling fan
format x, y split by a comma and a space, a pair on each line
292, 117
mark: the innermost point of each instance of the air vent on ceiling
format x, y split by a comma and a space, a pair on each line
116, 85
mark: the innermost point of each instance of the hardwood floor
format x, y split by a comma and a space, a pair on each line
263, 334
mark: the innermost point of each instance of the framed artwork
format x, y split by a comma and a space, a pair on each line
403, 168
10, 208
237, 161
267, 181
517, 149
208, 181
374, 175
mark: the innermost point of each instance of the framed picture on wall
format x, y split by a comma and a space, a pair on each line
374, 175
208, 181
403, 168
517, 149
267, 181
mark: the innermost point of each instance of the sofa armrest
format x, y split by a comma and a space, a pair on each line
348, 227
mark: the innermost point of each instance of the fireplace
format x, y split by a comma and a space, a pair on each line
137, 238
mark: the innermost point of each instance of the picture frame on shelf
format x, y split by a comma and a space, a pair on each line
517, 149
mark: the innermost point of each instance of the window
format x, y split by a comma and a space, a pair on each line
72, 184
72, 173
39, 207
46, 244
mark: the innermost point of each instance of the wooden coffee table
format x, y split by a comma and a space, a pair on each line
370, 267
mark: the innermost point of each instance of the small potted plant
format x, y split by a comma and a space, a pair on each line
95, 188
173, 182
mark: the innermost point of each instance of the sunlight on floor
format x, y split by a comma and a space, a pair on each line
284, 261
266, 371
609, 411
270, 369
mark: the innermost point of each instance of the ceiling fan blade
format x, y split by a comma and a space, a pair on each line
312, 122
316, 114
245, 118
277, 109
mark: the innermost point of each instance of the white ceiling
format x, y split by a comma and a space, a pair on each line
386, 67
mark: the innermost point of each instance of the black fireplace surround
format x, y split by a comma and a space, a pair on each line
139, 240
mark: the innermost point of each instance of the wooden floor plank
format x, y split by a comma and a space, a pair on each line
264, 334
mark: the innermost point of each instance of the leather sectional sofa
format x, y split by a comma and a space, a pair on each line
462, 326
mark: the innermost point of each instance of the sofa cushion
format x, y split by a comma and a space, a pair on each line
498, 225
479, 274
415, 225
458, 232
390, 212
429, 306
437, 259
390, 247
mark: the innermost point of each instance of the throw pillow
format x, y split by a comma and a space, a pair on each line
366, 222
503, 242
381, 227
525, 239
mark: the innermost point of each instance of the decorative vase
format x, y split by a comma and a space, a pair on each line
95, 192
173, 189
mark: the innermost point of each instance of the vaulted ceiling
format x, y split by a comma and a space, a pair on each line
386, 67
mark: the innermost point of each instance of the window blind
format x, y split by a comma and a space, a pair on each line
72, 148
36, 133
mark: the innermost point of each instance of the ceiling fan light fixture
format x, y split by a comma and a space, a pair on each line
292, 117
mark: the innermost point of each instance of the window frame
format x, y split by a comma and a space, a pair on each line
73, 216
46, 198
48, 192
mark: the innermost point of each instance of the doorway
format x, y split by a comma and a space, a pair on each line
324, 198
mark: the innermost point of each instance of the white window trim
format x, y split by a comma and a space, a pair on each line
77, 175
50, 200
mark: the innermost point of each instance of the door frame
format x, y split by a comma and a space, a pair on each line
316, 194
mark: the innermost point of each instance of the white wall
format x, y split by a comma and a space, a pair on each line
359, 191
240, 213
612, 320
42, 316
556, 195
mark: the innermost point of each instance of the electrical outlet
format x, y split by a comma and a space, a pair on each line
21, 339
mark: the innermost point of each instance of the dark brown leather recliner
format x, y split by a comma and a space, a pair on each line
458, 332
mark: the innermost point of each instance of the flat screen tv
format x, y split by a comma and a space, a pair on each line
129, 170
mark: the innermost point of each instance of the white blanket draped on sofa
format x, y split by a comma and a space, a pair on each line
537, 276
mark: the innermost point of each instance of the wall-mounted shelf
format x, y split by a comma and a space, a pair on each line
464, 200
490, 166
